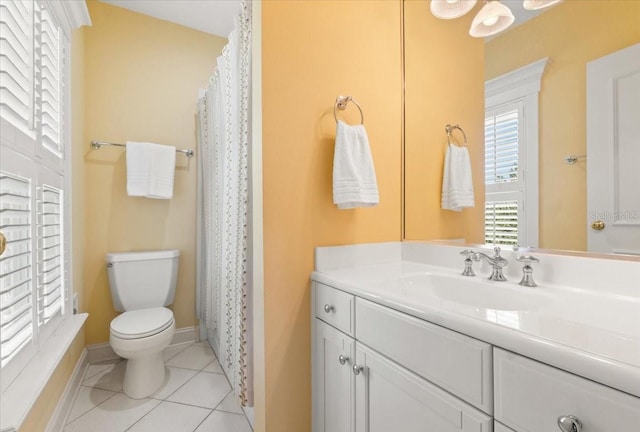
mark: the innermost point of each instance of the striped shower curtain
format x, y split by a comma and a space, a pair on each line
223, 194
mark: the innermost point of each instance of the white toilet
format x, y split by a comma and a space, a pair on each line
142, 283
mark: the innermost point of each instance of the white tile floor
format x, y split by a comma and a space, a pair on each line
196, 397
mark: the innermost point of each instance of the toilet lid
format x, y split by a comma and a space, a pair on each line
141, 323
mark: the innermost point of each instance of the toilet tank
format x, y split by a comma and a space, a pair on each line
140, 280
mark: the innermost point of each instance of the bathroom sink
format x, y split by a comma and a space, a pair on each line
474, 292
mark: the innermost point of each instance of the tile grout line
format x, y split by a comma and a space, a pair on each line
145, 414
90, 409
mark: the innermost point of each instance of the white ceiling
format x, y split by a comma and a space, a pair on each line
210, 16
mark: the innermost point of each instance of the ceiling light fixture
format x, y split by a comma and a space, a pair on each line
493, 18
538, 4
451, 9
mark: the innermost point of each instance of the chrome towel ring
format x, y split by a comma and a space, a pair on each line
449, 128
341, 104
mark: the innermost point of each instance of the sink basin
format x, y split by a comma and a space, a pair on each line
474, 292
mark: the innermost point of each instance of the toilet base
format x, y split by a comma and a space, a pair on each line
145, 372
143, 376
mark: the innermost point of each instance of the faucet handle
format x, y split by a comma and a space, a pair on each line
527, 259
527, 270
468, 270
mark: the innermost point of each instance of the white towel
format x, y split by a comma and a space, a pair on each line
354, 176
457, 183
150, 170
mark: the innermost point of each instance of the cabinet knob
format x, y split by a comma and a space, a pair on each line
3, 243
357, 369
343, 359
569, 423
328, 308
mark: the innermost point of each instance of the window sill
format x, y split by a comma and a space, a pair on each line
21, 395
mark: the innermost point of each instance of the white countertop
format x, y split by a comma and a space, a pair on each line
595, 334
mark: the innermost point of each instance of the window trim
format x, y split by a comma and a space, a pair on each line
523, 85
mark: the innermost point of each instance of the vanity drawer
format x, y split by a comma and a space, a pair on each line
334, 307
530, 396
457, 363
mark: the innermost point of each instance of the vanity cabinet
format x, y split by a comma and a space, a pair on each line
357, 389
376, 369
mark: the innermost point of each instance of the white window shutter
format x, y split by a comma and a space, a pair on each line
501, 138
16, 57
501, 222
16, 266
49, 66
50, 255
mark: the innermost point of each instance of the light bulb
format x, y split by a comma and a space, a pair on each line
452, 1
490, 21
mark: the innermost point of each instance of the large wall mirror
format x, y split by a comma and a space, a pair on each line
588, 202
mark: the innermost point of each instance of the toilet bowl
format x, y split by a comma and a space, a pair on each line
140, 337
141, 284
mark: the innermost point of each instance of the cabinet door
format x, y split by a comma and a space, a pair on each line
333, 382
391, 398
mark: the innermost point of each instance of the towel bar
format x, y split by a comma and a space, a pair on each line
97, 144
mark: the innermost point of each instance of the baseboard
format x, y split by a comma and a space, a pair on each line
104, 352
185, 335
57, 421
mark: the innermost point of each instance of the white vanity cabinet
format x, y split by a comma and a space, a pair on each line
376, 369
357, 389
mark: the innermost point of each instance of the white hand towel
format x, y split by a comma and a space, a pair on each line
354, 176
150, 170
457, 183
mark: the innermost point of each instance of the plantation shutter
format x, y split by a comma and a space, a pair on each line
50, 257
501, 222
16, 284
501, 147
16, 57
49, 64
504, 183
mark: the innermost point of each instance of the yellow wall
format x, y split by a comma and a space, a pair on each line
314, 51
44, 407
571, 34
142, 77
444, 79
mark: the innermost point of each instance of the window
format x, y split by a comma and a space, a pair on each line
33, 269
504, 183
511, 157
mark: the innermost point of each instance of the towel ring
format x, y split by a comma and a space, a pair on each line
449, 128
341, 104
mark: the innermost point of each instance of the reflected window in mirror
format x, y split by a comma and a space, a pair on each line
505, 186
511, 157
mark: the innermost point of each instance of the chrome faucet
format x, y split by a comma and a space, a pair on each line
497, 264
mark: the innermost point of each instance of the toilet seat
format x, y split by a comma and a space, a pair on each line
141, 323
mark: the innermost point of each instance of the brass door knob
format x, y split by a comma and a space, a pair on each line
3, 243
597, 225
